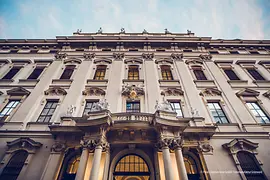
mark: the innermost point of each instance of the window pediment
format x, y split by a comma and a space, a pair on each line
247, 92
133, 61
103, 61
240, 144
210, 92
23, 143
55, 91
172, 92
72, 61
18, 91
194, 61
164, 61
93, 91
266, 94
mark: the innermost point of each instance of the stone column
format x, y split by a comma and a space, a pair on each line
83, 161
96, 162
177, 146
107, 164
53, 163
164, 145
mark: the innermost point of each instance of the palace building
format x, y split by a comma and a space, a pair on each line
134, 106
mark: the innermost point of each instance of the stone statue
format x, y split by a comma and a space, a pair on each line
167, 31
101, 105
194, 112
189, 31
122, 30
164, 106
70, 110
79, 30
100, 30
144, 31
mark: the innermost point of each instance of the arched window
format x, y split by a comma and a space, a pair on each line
14, 166
131, 167
250, 166
70, 169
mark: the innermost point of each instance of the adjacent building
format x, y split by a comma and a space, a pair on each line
134, 106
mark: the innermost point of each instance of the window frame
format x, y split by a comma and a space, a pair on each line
9, 70
135, 69
222, 110
258, 73
180, 107
167, 70
89, 101
100, 69
133, 110
70, 74
37, 67
46, 115
13, 109
260, 108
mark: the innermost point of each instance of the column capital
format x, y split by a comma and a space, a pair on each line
92, 144
164, 143
58, 147
177, 143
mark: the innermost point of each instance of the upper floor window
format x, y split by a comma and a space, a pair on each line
133, 72
133, 107
255, 74
177, 108
166, 73
12, 72
36, 73
100, 72
67, 72
217, 112
11, 105
48, 111
258, 112
199, 74
89, 106
14, 166
231, 74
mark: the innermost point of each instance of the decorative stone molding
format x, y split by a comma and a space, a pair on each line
72, 60
132, 91
58, 147
70, 111
148, 55
89, 56
93, 91
18, 91
247, 92
164, 61
266, 94
210, 92
23, 143
205, 148
164, 105
133, 61
55, 91
172, 92
60, 56
176, 56
164, 143
194, 61
91, 144
206, 57
118, 56
177, 143
103, 60
240, 144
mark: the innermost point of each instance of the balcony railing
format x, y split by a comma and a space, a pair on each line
132, 117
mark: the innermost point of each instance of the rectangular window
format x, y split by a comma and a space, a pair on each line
89, 106
100, 72
231, 74
177, 108
258, 112
11, 105
12, 72
67, 72
234, 52
36, 73
199, 74
133, 107
48, 111
255, 74
217, 112
133, 72
166, 73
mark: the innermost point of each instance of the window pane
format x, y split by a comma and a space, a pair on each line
36, 73
48, 111
231, 74
255, 74
12, 73
217, 113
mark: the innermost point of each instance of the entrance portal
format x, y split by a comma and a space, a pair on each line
131, 167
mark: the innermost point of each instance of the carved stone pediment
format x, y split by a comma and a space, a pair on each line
148, 55
93, 91
194, 61
176, 56
133, 61
73, 60
132, 91
210, 92
103, 60
172, 92
55, 91
266, 94
18, 91
206, 57
247, 92
164, 61
23, 143
241, 144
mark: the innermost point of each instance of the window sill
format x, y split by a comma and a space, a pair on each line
205, 83
6, 80
169, 82
93, 80
262, 83
97, 82
131, 80
62, 81
28, 81
238, 83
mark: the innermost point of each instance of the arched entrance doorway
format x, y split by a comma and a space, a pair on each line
131, 167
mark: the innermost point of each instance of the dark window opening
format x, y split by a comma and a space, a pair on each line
133, 107
199, 74
166, 73
48, 111
12, 72
213, 52
106, 50
133, 73
255, 74
14, 166
254, 52
133, 50
100, 72
36, 73
67, 72
231, 74
234, 52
